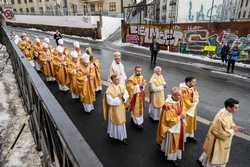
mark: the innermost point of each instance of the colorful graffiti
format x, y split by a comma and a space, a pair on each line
195, 38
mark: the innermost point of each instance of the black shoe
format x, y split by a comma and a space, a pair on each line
192, 139
175, 163
199, 163
125, 142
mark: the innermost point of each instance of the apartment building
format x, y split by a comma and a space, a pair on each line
104, 6
45, 7
243, 10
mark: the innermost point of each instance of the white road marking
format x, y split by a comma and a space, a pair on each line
228, 74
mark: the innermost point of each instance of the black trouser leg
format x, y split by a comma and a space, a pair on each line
228, 65
152, 57
155, 55
222, 58
233, 64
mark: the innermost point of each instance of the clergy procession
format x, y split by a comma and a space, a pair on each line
77, 71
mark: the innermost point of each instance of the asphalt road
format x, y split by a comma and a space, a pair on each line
142, 150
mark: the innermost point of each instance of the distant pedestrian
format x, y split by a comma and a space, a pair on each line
234, 56
154, 49
217, 145
57, 36
224, 53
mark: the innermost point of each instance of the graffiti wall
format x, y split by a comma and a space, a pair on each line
190, 37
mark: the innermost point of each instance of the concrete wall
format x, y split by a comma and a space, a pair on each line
195, 36
94, 33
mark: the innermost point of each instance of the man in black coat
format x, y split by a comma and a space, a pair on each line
57, 36
224, 53
154, 49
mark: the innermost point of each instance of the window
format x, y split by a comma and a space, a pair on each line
244, 14
47, 0
248, 14
12, 2
30, 1
247, 3
239, 15
100, 6
21, 10
25, 1
32, 10
41, 10
19, 1
14, 10
92, 7
112, 6
85, 8
27, 10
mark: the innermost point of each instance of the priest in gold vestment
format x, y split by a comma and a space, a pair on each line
217, 145
170, 132
85, 84
37, 48
190, 98
46, 63
157, 84
26, 47
73, 67
97, 67
114, 109
60, 67
136, 86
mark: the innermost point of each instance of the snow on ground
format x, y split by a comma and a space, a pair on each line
12, 117
191, 56
110, 24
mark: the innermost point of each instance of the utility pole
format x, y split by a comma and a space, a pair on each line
210, 19
122, 10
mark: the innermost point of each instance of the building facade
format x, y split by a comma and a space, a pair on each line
45, 7
168, 10
243, 10
229, 10
110, 7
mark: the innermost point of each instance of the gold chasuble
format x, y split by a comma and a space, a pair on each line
72, 69
116, 114
170, 122
157, 98
60, 66
26, 48
85, 84
219, 138
136, 95
97, 78
46, 63
190, 98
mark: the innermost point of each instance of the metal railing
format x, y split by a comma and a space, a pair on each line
69, 13
53, 131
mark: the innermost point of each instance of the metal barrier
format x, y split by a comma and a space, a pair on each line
53, 131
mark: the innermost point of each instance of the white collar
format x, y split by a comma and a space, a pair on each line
183, 85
